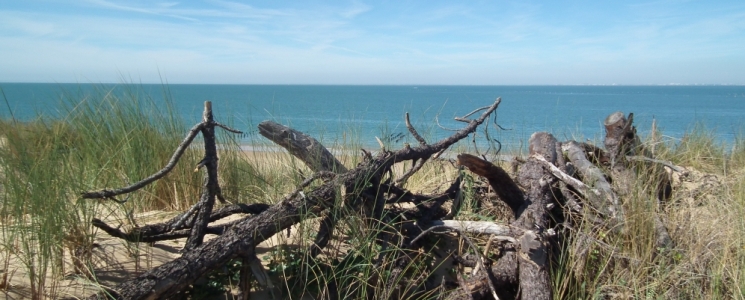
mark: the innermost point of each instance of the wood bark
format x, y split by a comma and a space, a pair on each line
241, 239
531, 217
302, 146
211, 188
601, 198
499, 180
548, 179
533, 251
620, 137
624, 147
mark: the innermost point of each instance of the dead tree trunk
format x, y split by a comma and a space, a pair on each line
547, 181
241, 239
540, 184
624, 148
531, 215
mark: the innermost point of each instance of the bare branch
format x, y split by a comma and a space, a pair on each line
415, 168
414, 132
574, 182
465, 118
138, 185
227, 128
665, 163
437, 120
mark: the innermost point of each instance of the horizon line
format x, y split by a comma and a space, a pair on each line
377, 84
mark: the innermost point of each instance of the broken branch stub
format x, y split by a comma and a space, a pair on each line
302, 146
498, 179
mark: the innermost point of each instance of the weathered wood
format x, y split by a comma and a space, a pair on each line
623, 146
242, 238
602, 198
167, 231
211, 188
532, 253
481, 227
504, 275
302, 146
577, 184
532, 214
620, 138
317, 157
498, 179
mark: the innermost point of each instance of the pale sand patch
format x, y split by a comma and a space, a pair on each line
114, 260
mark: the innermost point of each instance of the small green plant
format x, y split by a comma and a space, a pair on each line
216, 282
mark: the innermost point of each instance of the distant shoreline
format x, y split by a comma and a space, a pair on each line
449, 154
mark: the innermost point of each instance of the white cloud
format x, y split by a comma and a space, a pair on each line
356, 9
224, 41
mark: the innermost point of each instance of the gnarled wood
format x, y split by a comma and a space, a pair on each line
498, 179
601, 197
533, 251
302, 146
241, 239
623, 146
532, 216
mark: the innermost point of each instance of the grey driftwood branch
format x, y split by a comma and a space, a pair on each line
106, 193
413, 131
241, 239
202, 211
302, 146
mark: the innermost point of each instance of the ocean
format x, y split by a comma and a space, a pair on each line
340, 114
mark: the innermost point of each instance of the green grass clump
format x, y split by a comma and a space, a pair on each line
704, 217
100, 140
116, 137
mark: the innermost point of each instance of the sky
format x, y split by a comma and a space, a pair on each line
366, 42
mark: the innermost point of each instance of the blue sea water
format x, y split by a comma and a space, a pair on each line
336, 114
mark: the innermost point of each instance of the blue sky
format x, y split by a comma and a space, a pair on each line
385, 42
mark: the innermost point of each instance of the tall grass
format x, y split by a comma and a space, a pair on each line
107, 139
704, 217
115, 137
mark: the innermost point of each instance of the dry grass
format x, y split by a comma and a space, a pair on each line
46, 163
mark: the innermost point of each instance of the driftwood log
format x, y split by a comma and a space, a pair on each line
556, 180
241, 239
302, 146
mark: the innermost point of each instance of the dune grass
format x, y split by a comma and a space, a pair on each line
106, 139
112, 139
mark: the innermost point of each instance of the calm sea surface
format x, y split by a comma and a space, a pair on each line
338, 114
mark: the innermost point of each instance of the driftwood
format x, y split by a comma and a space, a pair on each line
601, 197
624, 148
241, 239
556, 175
531, 214
200, 215
302, 146
578, 172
